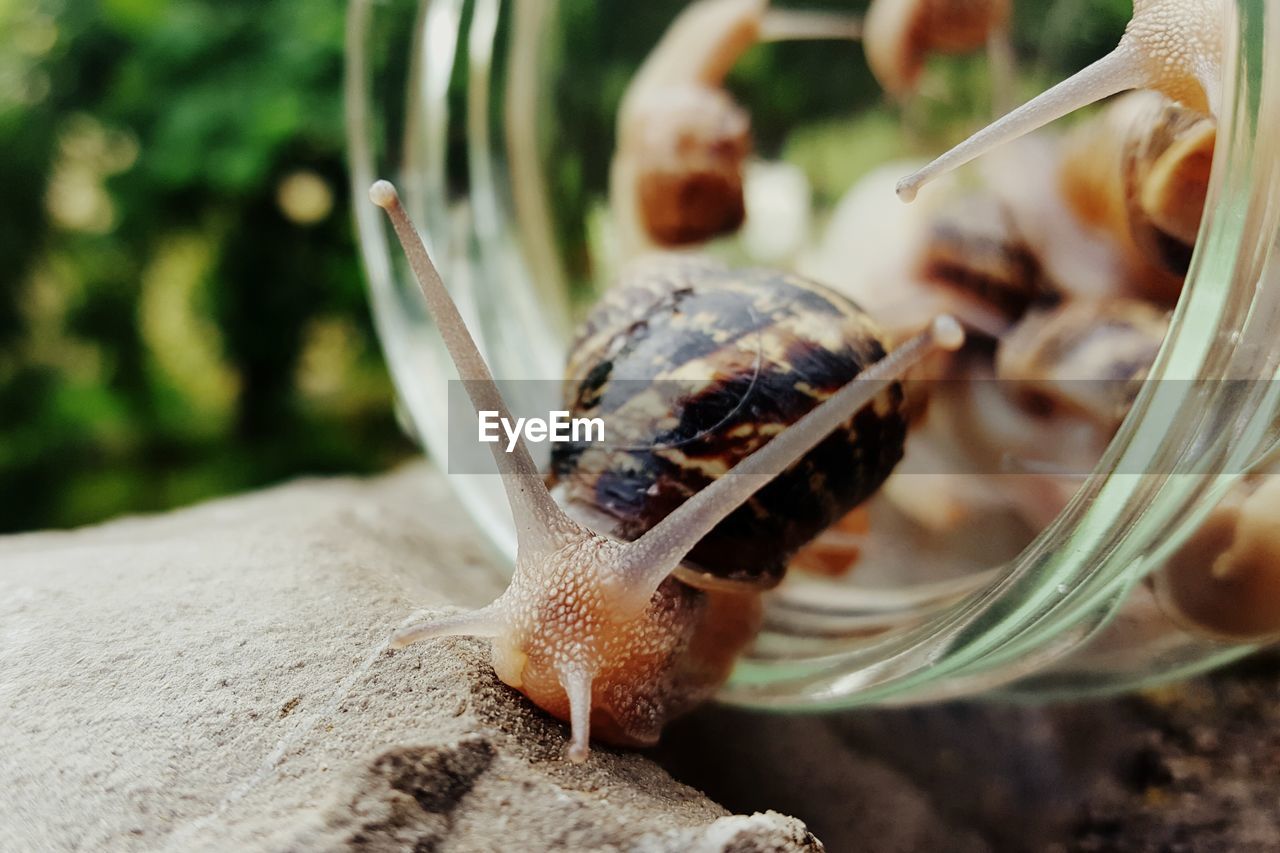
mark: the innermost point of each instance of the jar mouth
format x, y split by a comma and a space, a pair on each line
450, 97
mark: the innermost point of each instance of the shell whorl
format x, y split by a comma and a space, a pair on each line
693, 366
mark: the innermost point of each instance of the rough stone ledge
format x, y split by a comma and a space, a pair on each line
218, 678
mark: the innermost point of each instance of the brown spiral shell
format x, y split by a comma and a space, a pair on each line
693, 366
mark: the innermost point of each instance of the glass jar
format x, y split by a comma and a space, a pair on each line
492, 128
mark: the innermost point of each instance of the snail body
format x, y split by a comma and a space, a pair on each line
596, 630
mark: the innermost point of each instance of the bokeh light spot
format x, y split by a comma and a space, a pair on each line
305, 198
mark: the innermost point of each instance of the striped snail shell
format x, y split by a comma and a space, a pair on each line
1166, 169
1139, 171
1085, 357
693, 366
976, 250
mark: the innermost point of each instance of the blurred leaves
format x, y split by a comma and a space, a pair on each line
181, 311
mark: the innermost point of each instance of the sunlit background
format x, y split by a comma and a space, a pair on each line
181, 305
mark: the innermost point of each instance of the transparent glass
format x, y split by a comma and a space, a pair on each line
478, 109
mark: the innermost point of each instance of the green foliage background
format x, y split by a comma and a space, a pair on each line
167, 332
181, 306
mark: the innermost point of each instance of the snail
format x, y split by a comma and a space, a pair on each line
1084, 358
1139, 172
1166, 170
1062, 381
683, 142
957, 252
976, 250
595, 630
1174, 47
677, 174
1013, 432
1224, 581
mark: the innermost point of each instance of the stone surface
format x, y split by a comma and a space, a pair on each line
218, 679
1187, 767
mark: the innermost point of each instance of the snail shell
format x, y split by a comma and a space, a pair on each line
1086, 358
1166, 179
693, 366
899, 35
976, 249
1139, 171
689, 146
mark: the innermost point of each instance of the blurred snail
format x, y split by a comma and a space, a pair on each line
1225, 579
1166, 170
1083, 358
1017, 432
1173, 47
1079, 259
677, 174
1139, 171
899, 35
976, 250
957, 252
1008, 436
596, 630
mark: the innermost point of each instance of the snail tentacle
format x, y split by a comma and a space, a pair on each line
540, 523
486, 622
576, 681
1110, 75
